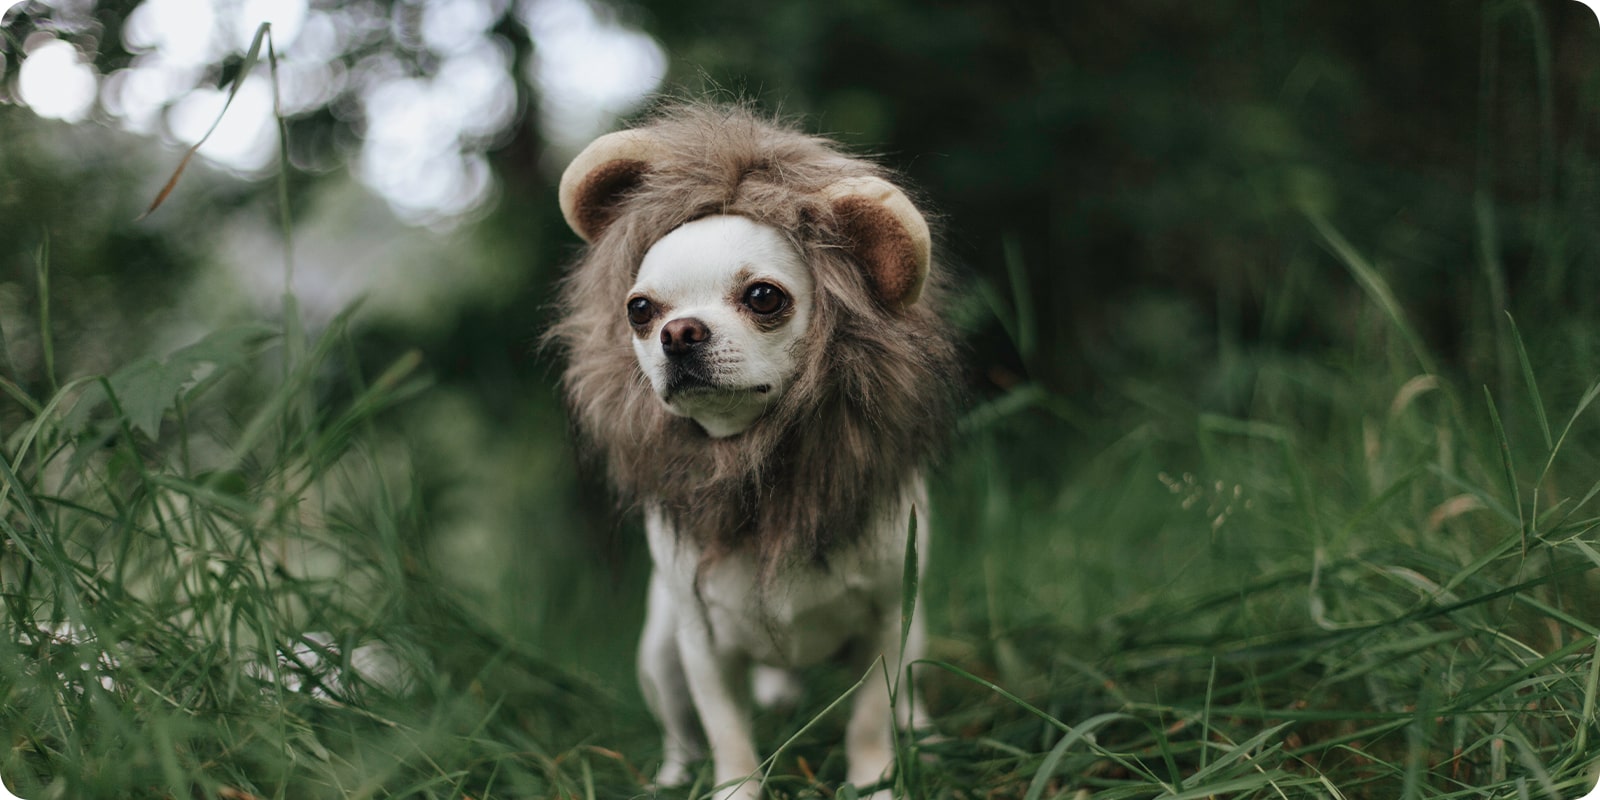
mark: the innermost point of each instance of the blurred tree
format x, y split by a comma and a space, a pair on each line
1146, 161
1152, 161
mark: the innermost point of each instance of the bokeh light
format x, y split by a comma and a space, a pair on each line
54, 81
428, 117
588, 68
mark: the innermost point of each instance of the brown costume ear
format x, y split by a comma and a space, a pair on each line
886, 234
600, 176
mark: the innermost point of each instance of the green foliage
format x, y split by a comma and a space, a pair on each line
239, 606
1315, 598
1355, 589
146, 389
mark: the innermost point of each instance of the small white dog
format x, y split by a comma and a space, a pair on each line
755, 348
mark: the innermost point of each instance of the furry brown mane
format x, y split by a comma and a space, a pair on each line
871, 404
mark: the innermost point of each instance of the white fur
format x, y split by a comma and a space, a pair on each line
696, 655
707, 629
695, 271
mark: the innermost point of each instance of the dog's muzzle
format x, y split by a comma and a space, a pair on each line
686, 342
687, 375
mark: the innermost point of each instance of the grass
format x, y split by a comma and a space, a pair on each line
1354, 589
1367, 575
1365, 586
1371, 584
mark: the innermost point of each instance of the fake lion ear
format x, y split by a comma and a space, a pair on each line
886, 234
596, 181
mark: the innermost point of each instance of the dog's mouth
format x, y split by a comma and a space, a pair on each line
722, 402
696, 387
694, 379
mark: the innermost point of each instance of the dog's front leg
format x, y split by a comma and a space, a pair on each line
719, 682
869, 736
666, 689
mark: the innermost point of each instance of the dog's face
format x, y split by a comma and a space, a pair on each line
719, 315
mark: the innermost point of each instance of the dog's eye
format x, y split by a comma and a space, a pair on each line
765, 299
640, 311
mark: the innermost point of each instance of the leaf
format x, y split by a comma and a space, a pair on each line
227, 347
147, 388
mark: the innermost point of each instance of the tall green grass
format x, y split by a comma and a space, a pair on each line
211, 594
1373, 582
217, 583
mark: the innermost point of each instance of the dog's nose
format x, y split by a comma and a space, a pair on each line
681, 336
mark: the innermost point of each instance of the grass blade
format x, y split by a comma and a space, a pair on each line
908, 587
46, 341
766, 766
263, 32
1533, 386
1373, 283
1508, 466
1021, 299
1131, 766
1047, 769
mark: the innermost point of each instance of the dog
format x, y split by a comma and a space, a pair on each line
756, 349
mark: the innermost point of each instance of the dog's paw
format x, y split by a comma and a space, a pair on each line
672, 775
775, 688
749, 790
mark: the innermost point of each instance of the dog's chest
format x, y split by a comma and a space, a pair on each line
801, 617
